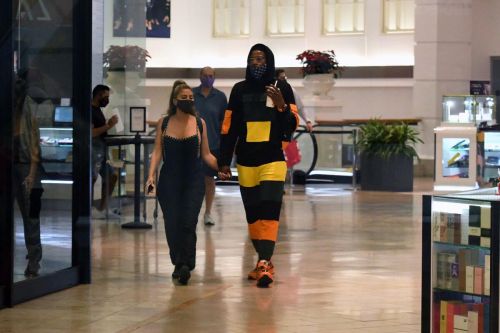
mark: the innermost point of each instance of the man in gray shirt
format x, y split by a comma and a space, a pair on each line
211, 104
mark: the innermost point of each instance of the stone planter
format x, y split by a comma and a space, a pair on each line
318, 85
386, 174
123, 81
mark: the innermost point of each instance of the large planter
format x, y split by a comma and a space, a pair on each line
392, 174
318, 85
122, 81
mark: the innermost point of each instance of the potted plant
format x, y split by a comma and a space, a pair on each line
124, 67
317, 62
387, 152
319, 68
125, 58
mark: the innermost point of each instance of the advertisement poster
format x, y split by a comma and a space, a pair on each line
139, 18
480, 88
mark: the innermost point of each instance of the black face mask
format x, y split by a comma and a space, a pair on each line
185, 105
103, 102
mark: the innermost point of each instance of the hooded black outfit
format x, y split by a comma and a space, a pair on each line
259, 131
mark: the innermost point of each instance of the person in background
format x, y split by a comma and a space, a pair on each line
100, 127
259, 121
210, 104
27, 171
281, 75
182, 143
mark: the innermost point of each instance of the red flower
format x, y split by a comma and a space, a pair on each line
316, 62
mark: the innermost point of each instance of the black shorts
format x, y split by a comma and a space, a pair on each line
100, 164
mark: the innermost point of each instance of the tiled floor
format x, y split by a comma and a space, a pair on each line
347, 261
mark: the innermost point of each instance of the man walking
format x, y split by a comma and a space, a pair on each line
211, 104
100, 166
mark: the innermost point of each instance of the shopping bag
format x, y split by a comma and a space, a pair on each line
292, 154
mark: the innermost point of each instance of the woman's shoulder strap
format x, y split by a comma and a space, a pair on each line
164, 123
199, 123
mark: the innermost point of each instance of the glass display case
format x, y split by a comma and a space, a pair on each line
490, 141
460, 262
455, 157
57, 153
469, 109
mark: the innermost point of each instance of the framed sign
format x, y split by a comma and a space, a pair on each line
137, 119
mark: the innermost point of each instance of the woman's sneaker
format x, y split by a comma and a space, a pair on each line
265, 273
184, 275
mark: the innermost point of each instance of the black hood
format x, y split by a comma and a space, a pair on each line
268, 76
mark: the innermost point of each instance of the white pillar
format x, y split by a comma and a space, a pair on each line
442, 60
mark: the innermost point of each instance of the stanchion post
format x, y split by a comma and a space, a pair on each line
137, 224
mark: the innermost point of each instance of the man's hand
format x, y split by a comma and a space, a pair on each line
275, 94
224, 172
112, 121
309, 126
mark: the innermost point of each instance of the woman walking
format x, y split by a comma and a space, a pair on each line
181, 141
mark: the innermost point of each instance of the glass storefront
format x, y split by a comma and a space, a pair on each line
46, 215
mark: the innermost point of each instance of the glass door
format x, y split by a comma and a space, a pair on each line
50, 95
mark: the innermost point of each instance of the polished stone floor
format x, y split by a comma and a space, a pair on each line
347, 261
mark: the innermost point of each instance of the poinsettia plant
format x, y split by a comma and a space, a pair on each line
319, 62
128, 57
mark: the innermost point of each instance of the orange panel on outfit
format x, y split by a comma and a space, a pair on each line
264, 230
226, 124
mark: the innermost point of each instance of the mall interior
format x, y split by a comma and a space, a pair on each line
395, 239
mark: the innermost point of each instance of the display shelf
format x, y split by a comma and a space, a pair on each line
460, 262
56, 144
459, 293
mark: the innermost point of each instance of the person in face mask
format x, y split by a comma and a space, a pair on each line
259, 121
210, 104
182, 143
100, 127
281, 75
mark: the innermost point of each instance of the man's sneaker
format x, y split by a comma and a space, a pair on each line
98, 214
101, 215
32, 269
265, 273
208, 220
253, 274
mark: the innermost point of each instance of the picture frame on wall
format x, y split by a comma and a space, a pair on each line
133, 18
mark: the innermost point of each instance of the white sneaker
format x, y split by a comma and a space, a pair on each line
98, 214
101, 215
208, 220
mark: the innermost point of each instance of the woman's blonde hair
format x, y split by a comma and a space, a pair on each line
175, 92
171, 98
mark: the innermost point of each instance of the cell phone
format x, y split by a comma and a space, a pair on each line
150, 190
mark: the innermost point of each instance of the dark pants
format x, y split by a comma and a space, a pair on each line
180, 200
29, 203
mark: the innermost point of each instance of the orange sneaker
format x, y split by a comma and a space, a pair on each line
253, 274
265, 273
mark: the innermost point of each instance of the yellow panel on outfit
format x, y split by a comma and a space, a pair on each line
258, 131
252, 176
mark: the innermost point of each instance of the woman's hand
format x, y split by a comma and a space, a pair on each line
150, 185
